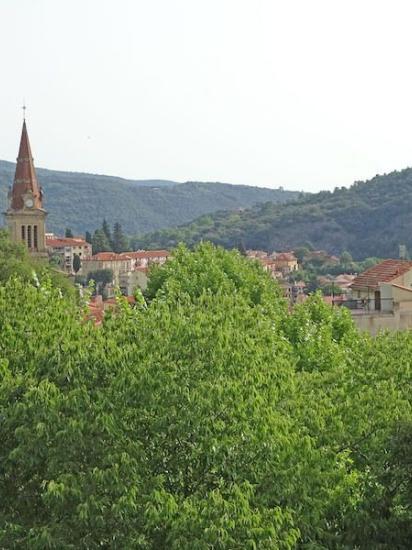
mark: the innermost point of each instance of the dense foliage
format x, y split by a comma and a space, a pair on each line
369, 219
81, 201
209, 417
312, 268
15, 261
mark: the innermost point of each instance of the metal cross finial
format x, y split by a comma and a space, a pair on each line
24, 110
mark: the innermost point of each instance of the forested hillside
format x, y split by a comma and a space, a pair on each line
371, 218
207, 417
82, 201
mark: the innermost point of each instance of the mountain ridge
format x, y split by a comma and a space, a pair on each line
81, 201
370, 218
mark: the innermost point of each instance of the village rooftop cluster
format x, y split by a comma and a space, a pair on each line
379, 298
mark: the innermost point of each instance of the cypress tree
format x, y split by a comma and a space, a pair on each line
120, 241
107, 232
100, 242
76, 263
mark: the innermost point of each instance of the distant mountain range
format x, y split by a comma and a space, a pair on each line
81, 201
371, 218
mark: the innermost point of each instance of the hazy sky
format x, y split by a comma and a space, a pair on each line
308, 94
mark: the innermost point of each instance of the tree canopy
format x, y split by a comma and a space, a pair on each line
16, 261
210, 417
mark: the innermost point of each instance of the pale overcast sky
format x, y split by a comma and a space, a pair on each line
307, 94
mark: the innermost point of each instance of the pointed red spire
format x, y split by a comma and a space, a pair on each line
25, 180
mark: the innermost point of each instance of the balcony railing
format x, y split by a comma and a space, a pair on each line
366, 305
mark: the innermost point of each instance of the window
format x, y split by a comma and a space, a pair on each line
29, 236
35, 241
23, 232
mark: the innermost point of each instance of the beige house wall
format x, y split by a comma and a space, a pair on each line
396, 311
286, 265
67, 253
388, 298
400, 319
116, 266
128, 282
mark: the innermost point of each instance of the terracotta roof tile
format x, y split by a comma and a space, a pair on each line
384, 272
141, 254
56, 242
286, 256
110, 256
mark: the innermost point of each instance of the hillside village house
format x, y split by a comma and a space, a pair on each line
294, 292
271, 267
344, 282
141, 262
278, 264
256, 254
286, 262
128, 282
382, 297
322, 256
144, 258
130, 269
117, 263
66, 248
341, 282
25, 218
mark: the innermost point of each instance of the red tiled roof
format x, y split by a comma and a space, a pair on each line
97, 307
140, 254
256, 253
110, 256
286, 256
95, 314
55, 242
384, 272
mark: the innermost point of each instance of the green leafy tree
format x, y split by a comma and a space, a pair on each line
88, 237
14, 259
67, 478
301, 253
56, 261
68, 233
208, 417
101, 277
214, 269
346, 259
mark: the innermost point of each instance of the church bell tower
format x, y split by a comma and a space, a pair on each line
26, 216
